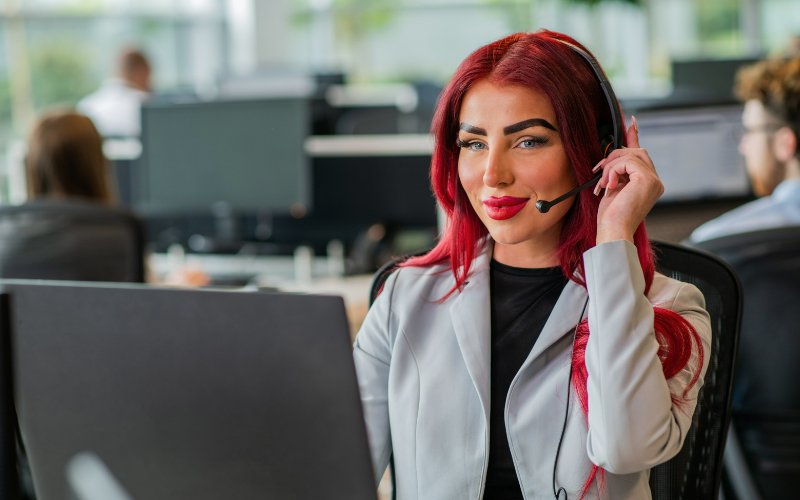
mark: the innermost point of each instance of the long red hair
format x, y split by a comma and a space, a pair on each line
540, 62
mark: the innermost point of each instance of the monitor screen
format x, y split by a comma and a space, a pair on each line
248, 154
695, 152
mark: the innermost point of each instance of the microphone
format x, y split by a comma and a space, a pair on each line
545, 206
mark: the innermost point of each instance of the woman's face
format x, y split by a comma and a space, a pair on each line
511, 156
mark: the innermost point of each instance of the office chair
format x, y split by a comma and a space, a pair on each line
766, 399
70, 240
695, 472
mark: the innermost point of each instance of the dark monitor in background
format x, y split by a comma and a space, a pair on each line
357, 182
695, 152
699, 83
247, 154
709, 81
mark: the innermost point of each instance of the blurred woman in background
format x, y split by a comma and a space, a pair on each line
65, 159
69, 229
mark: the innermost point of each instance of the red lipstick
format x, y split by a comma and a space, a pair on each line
505, 207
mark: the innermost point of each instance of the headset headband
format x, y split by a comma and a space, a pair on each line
613, 104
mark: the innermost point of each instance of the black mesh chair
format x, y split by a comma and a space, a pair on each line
766, 400
71, 240
695, 472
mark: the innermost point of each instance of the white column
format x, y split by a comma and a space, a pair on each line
241, 16
750, 22
272, 35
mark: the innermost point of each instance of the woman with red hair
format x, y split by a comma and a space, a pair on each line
532, 355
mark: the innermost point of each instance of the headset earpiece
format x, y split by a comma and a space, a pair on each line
605, 134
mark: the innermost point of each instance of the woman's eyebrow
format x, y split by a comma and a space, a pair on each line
466, 127
533, 122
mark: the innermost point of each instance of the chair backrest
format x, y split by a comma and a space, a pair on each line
696, 471
766, 400
70, 240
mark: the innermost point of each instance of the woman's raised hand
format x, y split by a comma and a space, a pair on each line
631, 186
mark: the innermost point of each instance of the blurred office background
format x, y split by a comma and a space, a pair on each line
346, 89
285, 144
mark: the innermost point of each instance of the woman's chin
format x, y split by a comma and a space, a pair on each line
510, 236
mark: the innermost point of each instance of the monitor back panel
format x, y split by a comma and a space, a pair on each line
190, 394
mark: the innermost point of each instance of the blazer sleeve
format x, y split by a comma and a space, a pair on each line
633, 425
372, 353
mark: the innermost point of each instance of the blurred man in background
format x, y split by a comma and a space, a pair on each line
770, 145
115, 107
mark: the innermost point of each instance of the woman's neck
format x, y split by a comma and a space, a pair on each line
533, 253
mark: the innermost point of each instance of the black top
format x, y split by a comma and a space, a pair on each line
521, 302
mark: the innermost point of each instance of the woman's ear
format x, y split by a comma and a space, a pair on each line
784, 144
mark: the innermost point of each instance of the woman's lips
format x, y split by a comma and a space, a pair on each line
505, 207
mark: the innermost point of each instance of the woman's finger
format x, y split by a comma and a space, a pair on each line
625, 165
638, 152
633, 134
613, 180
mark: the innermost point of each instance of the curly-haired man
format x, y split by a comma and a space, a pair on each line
771, 146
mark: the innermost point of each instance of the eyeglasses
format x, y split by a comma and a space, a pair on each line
740, 130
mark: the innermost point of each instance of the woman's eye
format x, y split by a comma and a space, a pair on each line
473, 146
533, 142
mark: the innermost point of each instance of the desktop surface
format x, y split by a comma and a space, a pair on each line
187, 393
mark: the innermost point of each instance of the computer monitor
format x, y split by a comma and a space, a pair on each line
186, 393
709, 81
246, 153
695, 152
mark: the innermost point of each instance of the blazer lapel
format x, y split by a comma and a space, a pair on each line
470, 314
566, 314
471, 322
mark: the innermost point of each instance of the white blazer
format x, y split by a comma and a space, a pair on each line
423, 371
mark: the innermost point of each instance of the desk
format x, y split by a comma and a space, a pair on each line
675, 222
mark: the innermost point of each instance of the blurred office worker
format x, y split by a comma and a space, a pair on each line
68, 229
115, 108
464, 360
769, 143
65, 160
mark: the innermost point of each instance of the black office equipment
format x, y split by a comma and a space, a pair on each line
245, 153
766, 402
188, 394
71, 240
696, 472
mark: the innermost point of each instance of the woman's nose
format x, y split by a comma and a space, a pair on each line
498, 171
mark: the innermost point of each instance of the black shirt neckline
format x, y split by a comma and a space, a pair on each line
524, 271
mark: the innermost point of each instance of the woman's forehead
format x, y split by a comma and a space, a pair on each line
491, 106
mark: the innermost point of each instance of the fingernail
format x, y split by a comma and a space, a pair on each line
635, 125
596, 189
599, 164
607, 191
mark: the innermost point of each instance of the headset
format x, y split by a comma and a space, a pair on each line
610, 135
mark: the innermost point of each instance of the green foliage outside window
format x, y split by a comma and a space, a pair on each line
718, 26
61, 73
